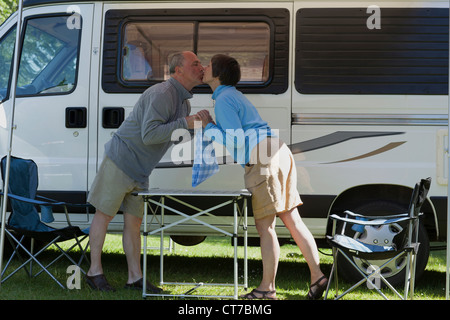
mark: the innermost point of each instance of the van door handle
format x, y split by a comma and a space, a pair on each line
113, 117
76, 117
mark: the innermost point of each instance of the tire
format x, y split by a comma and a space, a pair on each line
395, 271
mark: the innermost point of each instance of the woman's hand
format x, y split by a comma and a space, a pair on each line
205, 117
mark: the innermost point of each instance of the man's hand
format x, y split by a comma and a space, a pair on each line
191, 120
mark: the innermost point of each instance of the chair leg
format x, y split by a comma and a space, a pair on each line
410, 275
15, 252
17, 245
382, 278
330, 279
333, 274
65, 253
83, 251
336, 277
32, 258
84, 255
32, 252
366, 278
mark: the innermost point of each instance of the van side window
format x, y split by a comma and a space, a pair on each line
6, 57
147, 46
138, 43
340, 51
49, 59
247, 42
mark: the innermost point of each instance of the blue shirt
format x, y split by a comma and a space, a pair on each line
239, 126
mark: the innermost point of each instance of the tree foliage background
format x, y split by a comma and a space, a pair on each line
6, 8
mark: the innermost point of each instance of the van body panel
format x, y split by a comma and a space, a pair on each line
348, 145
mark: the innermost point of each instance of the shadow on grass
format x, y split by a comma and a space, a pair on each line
292, 275
293, 278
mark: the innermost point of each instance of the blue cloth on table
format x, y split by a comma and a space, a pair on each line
205, 162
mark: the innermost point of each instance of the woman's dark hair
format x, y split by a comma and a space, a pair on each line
226, 68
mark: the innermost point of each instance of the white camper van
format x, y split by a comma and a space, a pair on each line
357, 89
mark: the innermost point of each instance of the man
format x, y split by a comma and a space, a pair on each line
130, 156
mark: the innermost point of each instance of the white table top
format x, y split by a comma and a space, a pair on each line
185, 192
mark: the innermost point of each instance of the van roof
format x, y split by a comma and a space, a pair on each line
30, 3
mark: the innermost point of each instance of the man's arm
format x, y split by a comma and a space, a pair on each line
156, 127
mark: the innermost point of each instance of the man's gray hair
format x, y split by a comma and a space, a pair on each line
176, 60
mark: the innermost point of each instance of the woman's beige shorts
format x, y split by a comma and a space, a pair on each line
111, 191
271, 177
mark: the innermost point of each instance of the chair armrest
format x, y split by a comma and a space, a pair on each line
35, 201
391, 216
48, 203
61, 203
377, 222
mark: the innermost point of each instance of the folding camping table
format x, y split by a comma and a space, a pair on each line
217, 225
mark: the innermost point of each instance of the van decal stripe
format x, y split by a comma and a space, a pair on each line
335, 138
387, 147
308, 145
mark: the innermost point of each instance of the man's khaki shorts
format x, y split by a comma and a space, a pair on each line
111, 191
271, 177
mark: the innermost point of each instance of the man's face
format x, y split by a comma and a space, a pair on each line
192, 69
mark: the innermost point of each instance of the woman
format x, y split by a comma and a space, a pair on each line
270, 177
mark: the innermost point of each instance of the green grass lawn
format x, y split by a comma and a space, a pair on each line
208, 262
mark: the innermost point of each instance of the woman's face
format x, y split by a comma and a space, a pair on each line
207, 76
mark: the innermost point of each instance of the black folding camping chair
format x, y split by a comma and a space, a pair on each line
392, 238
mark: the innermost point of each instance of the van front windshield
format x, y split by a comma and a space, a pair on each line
6, 57
49, 57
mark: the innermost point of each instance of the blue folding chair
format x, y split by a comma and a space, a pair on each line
25, 222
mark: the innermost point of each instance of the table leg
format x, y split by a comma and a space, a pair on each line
161, 252
235, 234
144, 262
245, 246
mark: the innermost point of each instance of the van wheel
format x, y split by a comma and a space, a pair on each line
394, 272
188, 240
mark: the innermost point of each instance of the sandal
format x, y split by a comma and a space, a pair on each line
264, 295
317, 294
